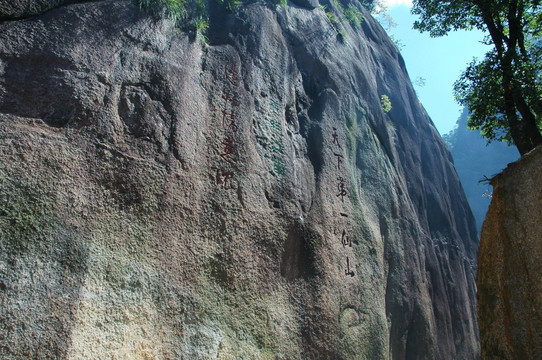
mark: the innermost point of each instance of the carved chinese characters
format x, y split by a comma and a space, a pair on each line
225, 175
341, 192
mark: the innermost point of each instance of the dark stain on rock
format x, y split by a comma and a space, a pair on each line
298, 256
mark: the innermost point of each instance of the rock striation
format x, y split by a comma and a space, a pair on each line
246, 198
509, 288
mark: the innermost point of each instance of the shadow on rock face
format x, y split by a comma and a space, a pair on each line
29, 83
298, 254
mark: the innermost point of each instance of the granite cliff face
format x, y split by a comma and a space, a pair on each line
244, 199
510, 266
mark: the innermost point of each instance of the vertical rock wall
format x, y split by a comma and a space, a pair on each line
510, 264
244, 199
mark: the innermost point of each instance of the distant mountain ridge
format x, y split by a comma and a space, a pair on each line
476, 160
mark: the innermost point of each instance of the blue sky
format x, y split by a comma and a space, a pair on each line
440, 61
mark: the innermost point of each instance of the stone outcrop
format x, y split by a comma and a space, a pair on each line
247, 198
510, 264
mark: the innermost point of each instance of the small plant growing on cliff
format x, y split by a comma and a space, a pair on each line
201, 28
233, 5
354, 16
343, 36
332, 18
283, 3
338, 5
386, 103
336, 25
193, 11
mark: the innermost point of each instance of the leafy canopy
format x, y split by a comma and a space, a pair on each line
504, 90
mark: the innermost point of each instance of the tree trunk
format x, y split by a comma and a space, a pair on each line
525, 137
527, 126
523, 129
525, 134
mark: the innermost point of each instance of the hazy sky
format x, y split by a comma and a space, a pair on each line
440, 61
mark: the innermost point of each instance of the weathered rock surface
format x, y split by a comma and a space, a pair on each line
246, 199
17, 9
510, 264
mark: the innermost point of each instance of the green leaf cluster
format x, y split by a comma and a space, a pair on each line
281, 2
336, 22
371, 5
351, 13
332, 18
440, 17
185, 13
386, 103
479, 88
189, 14
354, 16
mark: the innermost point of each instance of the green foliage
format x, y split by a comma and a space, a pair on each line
386, 103
504, 90
354, 16
281, 2
371, 5
201, 27
200, 8
233, 5
190, 14
388, 23
336, 22
440, 17
332, 18
179, 11
339, 6
480, 90
343, 36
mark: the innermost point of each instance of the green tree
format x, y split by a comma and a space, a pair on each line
370, 4
504, 90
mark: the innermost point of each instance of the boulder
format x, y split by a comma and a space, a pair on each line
510, 264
